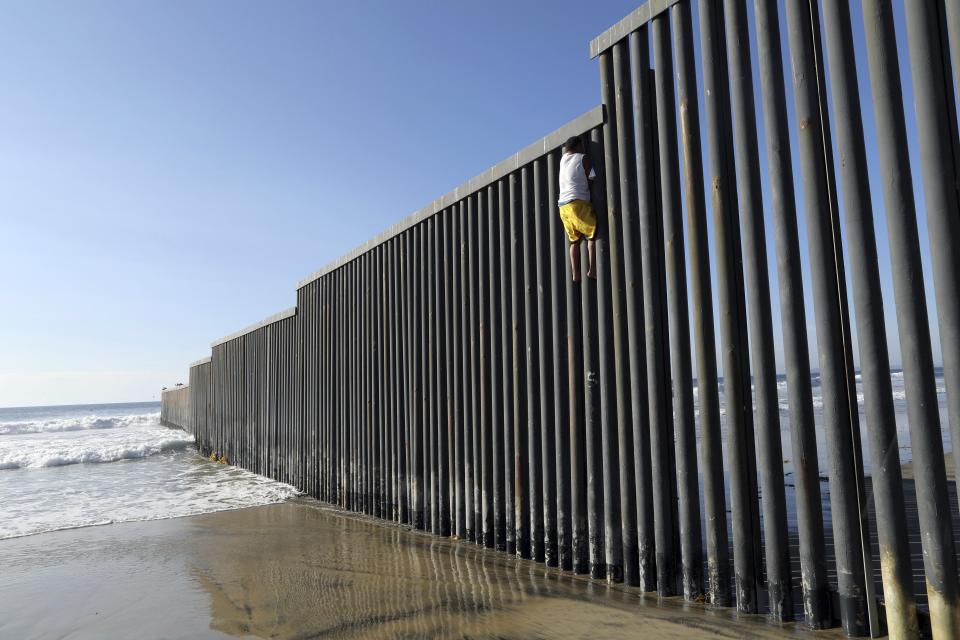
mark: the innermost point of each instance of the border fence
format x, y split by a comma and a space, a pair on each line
175, 408
449, 373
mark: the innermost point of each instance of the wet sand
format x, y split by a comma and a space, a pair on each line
302, 570
907, 467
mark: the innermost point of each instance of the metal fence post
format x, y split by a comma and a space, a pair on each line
714, 498
621, 279
678, 327
608, 303
529, 258
545, 353
562, 392
733, 322
813, 580
504, 190
933, 98
830, 307
770, 449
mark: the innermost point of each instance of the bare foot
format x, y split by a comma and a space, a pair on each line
575, 277
591, 275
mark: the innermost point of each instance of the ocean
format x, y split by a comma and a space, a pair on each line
899, 396
83, 465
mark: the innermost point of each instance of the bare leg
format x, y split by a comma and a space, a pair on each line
591, 269
575, 261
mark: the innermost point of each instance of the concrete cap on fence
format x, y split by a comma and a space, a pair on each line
286, 313
633, 21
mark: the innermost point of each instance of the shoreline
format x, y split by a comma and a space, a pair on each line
138, 520
302, 569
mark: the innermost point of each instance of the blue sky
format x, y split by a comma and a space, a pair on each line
170, 170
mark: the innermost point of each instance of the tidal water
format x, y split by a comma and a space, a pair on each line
900, 414
76, 466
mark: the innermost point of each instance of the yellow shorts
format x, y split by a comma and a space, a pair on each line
578, 220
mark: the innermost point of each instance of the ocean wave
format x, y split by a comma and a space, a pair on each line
60, 453
183, 485
85, 423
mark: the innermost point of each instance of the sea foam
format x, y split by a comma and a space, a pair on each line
81, 423
59, 454
70, 467
55, 443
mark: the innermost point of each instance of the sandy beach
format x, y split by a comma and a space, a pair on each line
302, 570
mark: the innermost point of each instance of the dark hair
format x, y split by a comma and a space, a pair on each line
573, 143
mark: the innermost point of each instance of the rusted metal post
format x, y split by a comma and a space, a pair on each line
832, 317
718, 555
769, 446
621, 227
733, 321
658, 371
641, 88
912, 322
813, 580
934, 98
671, 214
886, 481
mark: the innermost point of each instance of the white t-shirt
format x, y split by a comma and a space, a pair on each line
573, 179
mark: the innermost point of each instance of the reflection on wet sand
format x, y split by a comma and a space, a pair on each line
297, 570
300, 570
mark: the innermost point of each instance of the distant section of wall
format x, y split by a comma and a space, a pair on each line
175, 408
246, 404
